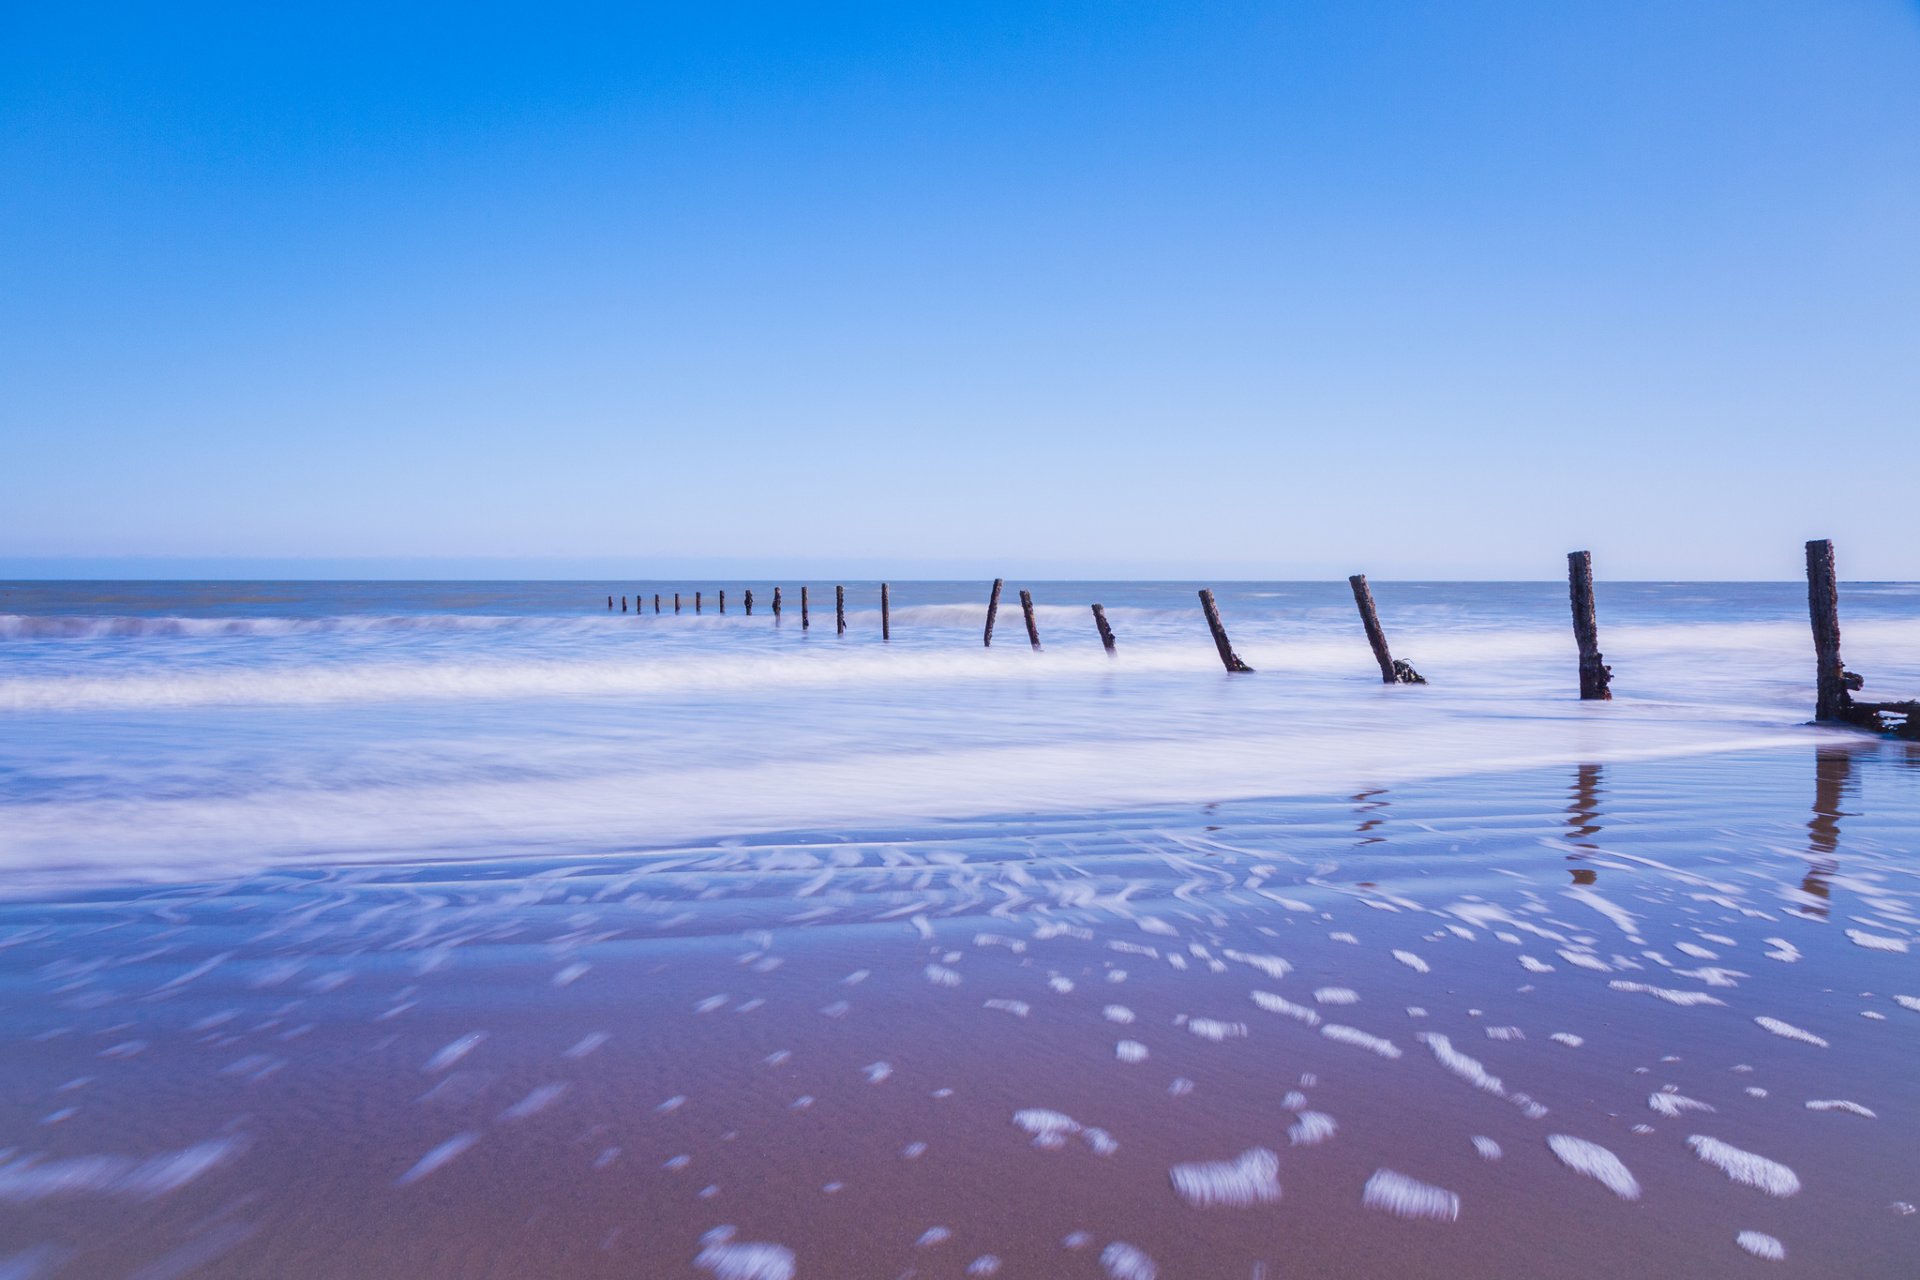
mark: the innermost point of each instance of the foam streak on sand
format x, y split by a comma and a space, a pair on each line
1252, 1178
1592, 1160
1405, 1197
1746, 1168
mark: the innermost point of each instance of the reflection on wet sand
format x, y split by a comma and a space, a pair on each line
1370, 808
1583, 818
1833, 780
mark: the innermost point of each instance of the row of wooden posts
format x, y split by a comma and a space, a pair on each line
1835, 685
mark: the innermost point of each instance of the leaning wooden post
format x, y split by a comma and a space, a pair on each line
805, 622
1833, 698
1106, 632
993, 610
886, 616
776, 604
1026, 608
1594, 674
1391, 671
749, 602
840, 611
1228, 657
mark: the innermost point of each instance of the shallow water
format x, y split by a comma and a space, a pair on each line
884, 1053
476, 937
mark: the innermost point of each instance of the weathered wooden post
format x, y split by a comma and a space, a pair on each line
806, 623
656, 602
1834, 684
1026, 609
623, 604
609, 604
1594, 674
676, 602
723, 602
1106, 632
776, 604
1228, 657
840, 611
993, 610
886, 619
696, 602
749, 602
1391, 671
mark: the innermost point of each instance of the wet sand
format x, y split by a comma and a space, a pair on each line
1183, 1043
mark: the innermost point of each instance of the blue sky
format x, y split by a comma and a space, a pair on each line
1288, 289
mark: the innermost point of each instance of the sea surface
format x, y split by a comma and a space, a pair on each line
473, 930
178, 729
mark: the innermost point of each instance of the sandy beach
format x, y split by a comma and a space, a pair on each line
1653, 1018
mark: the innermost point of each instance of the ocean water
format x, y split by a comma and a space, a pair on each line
172, 730
445, 930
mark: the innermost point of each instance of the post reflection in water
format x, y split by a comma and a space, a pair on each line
1583, 820
1832, 781
1370, 809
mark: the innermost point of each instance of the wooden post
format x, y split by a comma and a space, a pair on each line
749, 602
1833, 697
1392, 671
1228, 657
656, 602
1026, 608
776, 604
696, 602
1106, 632
676, 602
993, 610
623, 604
806, 623
1594, 674
609, 604
886, 618
723, 602
840, 611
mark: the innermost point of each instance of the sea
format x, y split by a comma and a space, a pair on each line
439, 929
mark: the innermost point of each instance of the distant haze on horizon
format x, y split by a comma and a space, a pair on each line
1142, 291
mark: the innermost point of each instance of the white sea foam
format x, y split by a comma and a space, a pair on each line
1360, 1039
1123, 1261
1406, 1197
1788, 1031
1877, 942
1673, 1105
1487, 1148
1252, 1178
1840, 1104
1281, 1005
1336, 995
1130, 1051
1412, 961
1746, 1168
1311, 1128
1215, 1030
438, 1158
748, 1260
27, 1179
1592, 1160
1762, 1245
1685, 999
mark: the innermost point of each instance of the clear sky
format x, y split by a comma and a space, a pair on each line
1273, 289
